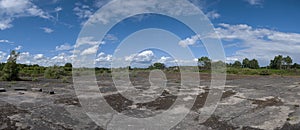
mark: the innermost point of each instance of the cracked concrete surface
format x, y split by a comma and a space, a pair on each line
248, 102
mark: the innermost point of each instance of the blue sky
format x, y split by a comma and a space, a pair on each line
46, 31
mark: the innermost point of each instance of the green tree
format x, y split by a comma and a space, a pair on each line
204, 62
10, 70
246, 63
253, 64
69, 65
280, 62
288, 61
157, 66
237, 64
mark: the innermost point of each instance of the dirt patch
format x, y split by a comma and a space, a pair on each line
288, 126
68, 101
120, 103
214, 123
268, 102
200, 101
228, 94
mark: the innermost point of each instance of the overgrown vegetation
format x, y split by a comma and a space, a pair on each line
10, 71
54, 72
280, 65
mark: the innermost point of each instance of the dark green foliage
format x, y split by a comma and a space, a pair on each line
68, 65
157, 66
246, 63
280, 62
10, 70
237, 64
204, 63
54, 72
253, 64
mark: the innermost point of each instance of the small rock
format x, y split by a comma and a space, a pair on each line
2, 90
36, 89
51, 92
20, 89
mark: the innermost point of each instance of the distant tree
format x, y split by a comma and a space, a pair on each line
10, 70
204, 62
68, 65
296, 66
287, 61
237, 64
279, 61
157, 66
253, 64
246, 63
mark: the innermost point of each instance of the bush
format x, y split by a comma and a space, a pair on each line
265, 72
10, 69
54, 72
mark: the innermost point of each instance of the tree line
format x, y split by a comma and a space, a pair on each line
279, 62
10, 70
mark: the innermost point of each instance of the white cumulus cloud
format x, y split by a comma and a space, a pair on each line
47, 30
64, 47
12, 9
143, 57
260, 43
189, 41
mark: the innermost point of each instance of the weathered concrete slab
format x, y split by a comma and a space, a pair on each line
20, 88
36, 89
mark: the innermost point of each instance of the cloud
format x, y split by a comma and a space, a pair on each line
213, 15
100, 3
189, 41
83, 11
18, 48
255, 2
260, 43
41, 59
102, 57
111, 37
143, 57
87, 41
47, 30
124, 8
165, 59
103, 60
5, 24
38, 57
58, 9
2, 55
89, 51
12, 9
88, 45
5, 41
64, 47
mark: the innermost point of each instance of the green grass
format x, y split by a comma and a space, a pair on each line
247, 71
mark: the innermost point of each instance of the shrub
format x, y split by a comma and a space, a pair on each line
54, 72
265, 72
10, 69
